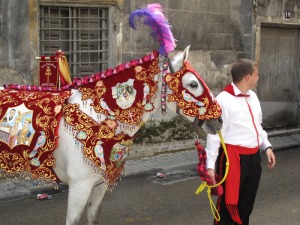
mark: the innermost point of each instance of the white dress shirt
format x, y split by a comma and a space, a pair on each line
238, 127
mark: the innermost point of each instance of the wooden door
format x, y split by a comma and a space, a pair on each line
279, 72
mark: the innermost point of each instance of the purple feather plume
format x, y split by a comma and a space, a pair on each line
154, 18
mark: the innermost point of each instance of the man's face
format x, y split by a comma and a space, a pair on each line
253, 78
12, 113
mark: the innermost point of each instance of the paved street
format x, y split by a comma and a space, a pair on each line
148, 200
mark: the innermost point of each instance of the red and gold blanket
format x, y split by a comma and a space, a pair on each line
121, 98
28, 131
100, 144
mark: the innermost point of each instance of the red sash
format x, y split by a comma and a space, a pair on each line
232, 183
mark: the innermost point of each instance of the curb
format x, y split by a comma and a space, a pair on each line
281, 140
31, 193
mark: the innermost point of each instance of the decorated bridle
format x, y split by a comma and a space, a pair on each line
203, 107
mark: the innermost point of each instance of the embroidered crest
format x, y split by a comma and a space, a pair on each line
124, 94
120, 151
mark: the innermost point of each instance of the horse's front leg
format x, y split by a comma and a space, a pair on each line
79, 193
93, 204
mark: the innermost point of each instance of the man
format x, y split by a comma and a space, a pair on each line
244, 137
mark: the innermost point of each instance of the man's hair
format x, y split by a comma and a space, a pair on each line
241, 68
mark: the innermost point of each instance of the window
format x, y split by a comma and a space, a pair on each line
82, 33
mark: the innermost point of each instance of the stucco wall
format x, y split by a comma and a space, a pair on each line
217, 31
14, 37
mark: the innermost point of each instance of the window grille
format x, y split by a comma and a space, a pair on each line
81, 32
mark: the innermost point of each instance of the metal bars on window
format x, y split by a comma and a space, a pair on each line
81, 32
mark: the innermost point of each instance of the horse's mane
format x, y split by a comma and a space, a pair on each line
78, 82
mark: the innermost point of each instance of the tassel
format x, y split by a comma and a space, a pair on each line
234, 213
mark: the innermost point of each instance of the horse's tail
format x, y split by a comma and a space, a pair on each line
154, 18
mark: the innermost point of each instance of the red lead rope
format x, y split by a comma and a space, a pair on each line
202, 170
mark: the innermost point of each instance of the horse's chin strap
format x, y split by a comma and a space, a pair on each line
197, 122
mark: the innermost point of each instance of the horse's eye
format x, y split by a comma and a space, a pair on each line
194, 84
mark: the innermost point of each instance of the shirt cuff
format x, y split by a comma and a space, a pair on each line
210, 164
266, 144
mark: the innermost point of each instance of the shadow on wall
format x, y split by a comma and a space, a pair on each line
10, 75
280, 119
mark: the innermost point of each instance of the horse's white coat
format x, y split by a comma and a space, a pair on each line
83, 182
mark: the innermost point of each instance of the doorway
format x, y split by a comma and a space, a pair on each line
279, 75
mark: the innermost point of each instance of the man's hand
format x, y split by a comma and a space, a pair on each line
212, 174
271, 158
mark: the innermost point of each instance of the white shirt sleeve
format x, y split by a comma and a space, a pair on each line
213, 141
263, 134
212, 150
265, 142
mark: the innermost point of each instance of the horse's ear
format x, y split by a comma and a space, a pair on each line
186, 53
180, 58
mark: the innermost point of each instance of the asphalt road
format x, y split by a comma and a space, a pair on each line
149, 200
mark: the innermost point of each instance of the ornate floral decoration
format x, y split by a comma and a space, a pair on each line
204, 106
123, 94
100, 143
126, 95
28, 131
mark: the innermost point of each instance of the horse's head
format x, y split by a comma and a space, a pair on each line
188, 95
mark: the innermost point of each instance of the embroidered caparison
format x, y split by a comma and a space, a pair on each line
121, 97
28, 131
105, 150
127, 94
210, 108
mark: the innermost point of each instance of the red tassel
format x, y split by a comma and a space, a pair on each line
234, 213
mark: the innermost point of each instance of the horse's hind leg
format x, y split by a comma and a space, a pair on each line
79, 193
94, 202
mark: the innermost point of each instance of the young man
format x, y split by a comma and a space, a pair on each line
244, 138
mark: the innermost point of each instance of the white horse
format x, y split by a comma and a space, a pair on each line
87, 188
108, 109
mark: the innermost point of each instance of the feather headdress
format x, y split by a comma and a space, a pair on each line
154, 18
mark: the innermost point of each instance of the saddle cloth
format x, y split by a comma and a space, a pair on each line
28, 131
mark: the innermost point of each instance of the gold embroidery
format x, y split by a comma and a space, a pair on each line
104, 103
210, 108
24, 148
102, 135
